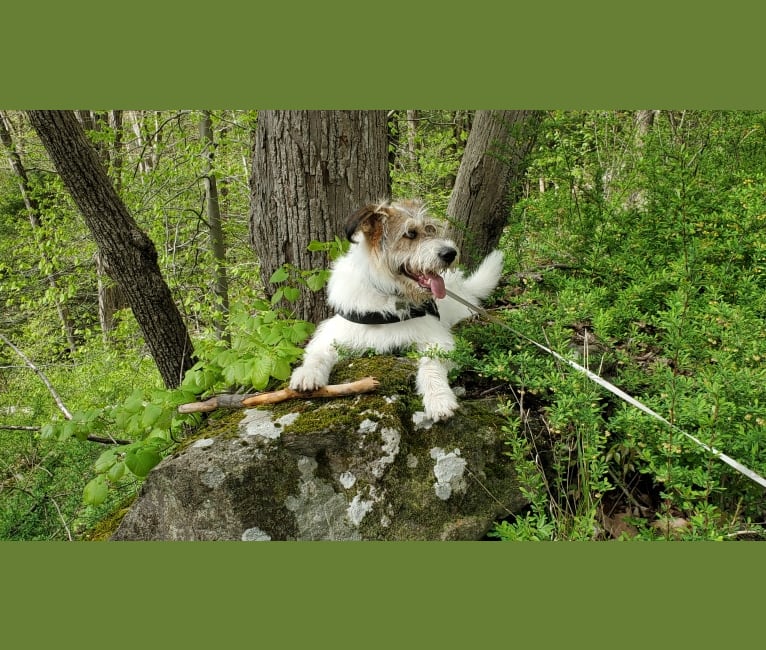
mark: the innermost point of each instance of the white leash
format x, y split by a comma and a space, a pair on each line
616, 391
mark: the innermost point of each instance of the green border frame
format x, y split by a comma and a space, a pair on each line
381, 595
340, 54
337, 54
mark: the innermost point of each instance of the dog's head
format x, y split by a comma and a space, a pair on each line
405, 242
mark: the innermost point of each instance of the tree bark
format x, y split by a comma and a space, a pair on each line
217, 244
116, 155
311, 170
110, 299
412, 132
489, 178
129, 256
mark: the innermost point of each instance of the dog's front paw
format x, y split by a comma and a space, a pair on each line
305, 379
440, 408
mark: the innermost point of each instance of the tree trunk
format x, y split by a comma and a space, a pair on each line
489, 178
644, 120
110, 299
33, 211
128, 254
412, 132
220, 282
116, 156
311, 170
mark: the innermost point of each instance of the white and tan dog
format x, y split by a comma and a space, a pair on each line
389, 293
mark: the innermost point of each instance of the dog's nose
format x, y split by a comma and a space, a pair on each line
447, 255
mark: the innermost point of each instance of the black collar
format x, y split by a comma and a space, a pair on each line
381, 318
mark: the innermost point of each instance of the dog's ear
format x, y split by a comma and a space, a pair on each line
363, 218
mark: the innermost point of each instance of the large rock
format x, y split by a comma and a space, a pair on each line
367, 467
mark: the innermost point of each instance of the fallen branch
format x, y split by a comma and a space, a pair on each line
92, 438
41, 375
365, 385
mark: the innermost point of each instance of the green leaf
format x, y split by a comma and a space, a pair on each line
291, 293
47, 430
317, 280
116, 472
161, 434
281, 369
67, 430
280, 275
135, 402
287, 350
141, 460
238, 372
95, 491
105, 461
272, 336
261, 371
300, 331
277, 296
152, 413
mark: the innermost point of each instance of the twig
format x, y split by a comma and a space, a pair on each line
63, 521
41, 375
92, 438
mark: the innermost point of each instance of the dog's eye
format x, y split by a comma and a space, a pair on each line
430, 230
411, 234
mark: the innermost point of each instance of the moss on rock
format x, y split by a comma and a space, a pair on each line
356, 467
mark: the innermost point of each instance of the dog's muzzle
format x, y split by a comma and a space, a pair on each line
431, 280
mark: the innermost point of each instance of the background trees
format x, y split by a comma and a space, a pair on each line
490, 179
126, 253
632, 238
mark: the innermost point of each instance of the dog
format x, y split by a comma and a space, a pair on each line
389, 291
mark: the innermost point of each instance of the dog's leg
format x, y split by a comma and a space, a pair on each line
319, 359
439, 402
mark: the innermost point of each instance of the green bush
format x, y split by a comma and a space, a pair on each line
673, 291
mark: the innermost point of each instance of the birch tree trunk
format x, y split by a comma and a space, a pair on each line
412, 131
129, 256
489, 178
311, 170
644, 120
217, 244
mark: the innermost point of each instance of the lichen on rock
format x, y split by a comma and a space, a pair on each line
352, 468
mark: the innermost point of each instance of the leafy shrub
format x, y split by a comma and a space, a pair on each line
673, 290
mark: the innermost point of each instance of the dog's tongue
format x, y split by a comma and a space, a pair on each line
435, 283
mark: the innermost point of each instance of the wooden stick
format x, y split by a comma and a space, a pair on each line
365, 385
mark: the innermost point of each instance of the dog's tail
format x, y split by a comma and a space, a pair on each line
473, 288
484, 279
